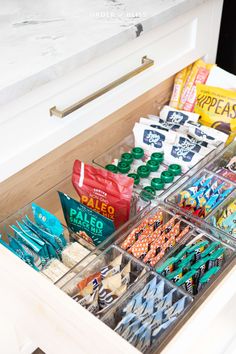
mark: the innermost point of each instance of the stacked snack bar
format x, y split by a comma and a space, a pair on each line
155, 236
194, 264
202, 194
210, 92
184, 92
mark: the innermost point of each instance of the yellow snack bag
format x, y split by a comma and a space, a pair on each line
217, 108
189, 82
180, 78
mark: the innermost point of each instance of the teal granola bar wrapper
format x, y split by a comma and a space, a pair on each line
80, 218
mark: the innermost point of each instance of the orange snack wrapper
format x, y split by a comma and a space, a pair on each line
189, 82
201, 78
180, 78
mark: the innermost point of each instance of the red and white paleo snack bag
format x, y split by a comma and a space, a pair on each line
103, 191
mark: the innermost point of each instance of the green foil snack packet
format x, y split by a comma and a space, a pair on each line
81, 218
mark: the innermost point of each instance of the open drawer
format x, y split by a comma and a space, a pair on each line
171, 46
57, 323
49, 317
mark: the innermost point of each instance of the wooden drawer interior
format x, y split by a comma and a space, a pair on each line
42, 175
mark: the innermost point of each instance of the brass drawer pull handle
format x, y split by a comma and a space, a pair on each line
146, 63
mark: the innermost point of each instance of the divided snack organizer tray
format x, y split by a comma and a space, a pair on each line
50, 201
143, 273
128, 143
47, 316
220, 176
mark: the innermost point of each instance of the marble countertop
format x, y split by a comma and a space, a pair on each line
42, 40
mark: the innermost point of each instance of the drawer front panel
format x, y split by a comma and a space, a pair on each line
34, 132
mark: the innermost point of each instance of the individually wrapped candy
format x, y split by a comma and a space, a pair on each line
124, 323
133, 304
227, 219
182, 254
204, 195
155, 319
144, 338
167, 267
167, 301
149, 313
176, 309
210, 249
158, 331
111, 282
187, 281
216, 258
197, 249
206, 277
131, 329
175, 275
200, 267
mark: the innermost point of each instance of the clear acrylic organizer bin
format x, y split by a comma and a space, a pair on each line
176, 199
167, 213
128, 143
190, 240
93, 269
226, 161
212, 219
87, 248
51, 202
115, 314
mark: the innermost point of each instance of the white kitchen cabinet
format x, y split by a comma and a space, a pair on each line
52, 320
172, 46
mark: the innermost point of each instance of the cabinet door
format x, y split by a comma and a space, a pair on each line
28, 131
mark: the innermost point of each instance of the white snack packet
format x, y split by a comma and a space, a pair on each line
175, 154
221, 78
151, 139
149, 121
186, 143
176, 116
210, 135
